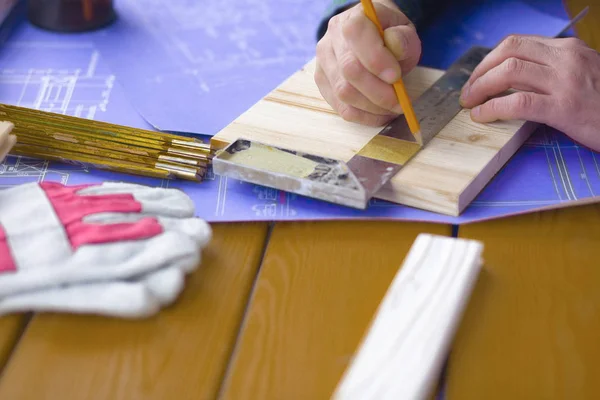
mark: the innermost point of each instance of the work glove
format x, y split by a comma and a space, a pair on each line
116, 249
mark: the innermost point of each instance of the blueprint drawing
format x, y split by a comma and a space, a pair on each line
69, 74
200, 64
63, 75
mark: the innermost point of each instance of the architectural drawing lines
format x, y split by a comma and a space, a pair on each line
584, 172
561, 173
566, 177
596, 164
552, 174
52, 83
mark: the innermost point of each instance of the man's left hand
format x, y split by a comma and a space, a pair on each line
554, 81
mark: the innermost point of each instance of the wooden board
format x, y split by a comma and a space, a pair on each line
181, 353
444, 177
530, 330
318, 288
403, 351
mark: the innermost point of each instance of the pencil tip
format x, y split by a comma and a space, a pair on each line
419, 137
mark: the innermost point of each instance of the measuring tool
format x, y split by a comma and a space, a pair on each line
355, 182
57, 137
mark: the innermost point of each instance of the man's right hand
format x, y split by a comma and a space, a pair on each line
355, 70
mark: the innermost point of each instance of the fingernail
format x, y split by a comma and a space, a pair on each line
476, 111
389, 75
397, 109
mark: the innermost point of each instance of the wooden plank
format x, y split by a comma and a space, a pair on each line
318, 289
588, 29
444, 177
531, 328
403, 351
11, 327
182, 353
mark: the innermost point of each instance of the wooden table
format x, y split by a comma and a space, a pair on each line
276, 312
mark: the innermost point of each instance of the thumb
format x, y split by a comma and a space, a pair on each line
404, 43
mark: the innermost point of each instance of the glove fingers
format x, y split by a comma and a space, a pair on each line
196, 228
120, 299
130, 299
154, 200
165, 284
107, 262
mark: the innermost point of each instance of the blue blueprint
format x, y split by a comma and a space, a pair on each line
85, 75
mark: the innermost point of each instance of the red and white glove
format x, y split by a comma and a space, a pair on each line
114, 249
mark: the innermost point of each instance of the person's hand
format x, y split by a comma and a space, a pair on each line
355, 70
553, 81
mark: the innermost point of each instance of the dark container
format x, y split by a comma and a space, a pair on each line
71, 15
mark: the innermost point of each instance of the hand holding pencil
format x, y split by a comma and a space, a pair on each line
357, 70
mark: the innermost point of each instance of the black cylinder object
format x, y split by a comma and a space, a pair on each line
71, 15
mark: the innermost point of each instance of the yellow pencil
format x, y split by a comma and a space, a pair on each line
403, 98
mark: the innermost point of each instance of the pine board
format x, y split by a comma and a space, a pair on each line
444, 177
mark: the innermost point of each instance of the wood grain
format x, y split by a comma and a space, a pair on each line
588, 29
531, 328
444, 177
317, 291
182, 353
11, 327
403, 351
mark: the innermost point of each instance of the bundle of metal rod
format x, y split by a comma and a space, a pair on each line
58, 137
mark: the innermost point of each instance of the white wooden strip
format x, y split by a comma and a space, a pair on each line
402, 353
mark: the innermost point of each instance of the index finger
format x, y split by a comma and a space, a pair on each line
527, 48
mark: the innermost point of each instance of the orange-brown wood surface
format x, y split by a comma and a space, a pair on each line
531, 328
11, 327
589, 29
181, 353
317, 291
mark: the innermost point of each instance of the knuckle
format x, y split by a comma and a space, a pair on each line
344, 91
512, 42
348, 113
523, 103
513, 65
351, 68
351, 28
333, 22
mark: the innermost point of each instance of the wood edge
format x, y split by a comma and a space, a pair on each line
413, 198
588, 201
11, 335
365, 366
487, 174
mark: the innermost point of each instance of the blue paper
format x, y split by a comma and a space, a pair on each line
69, 74
195, 66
